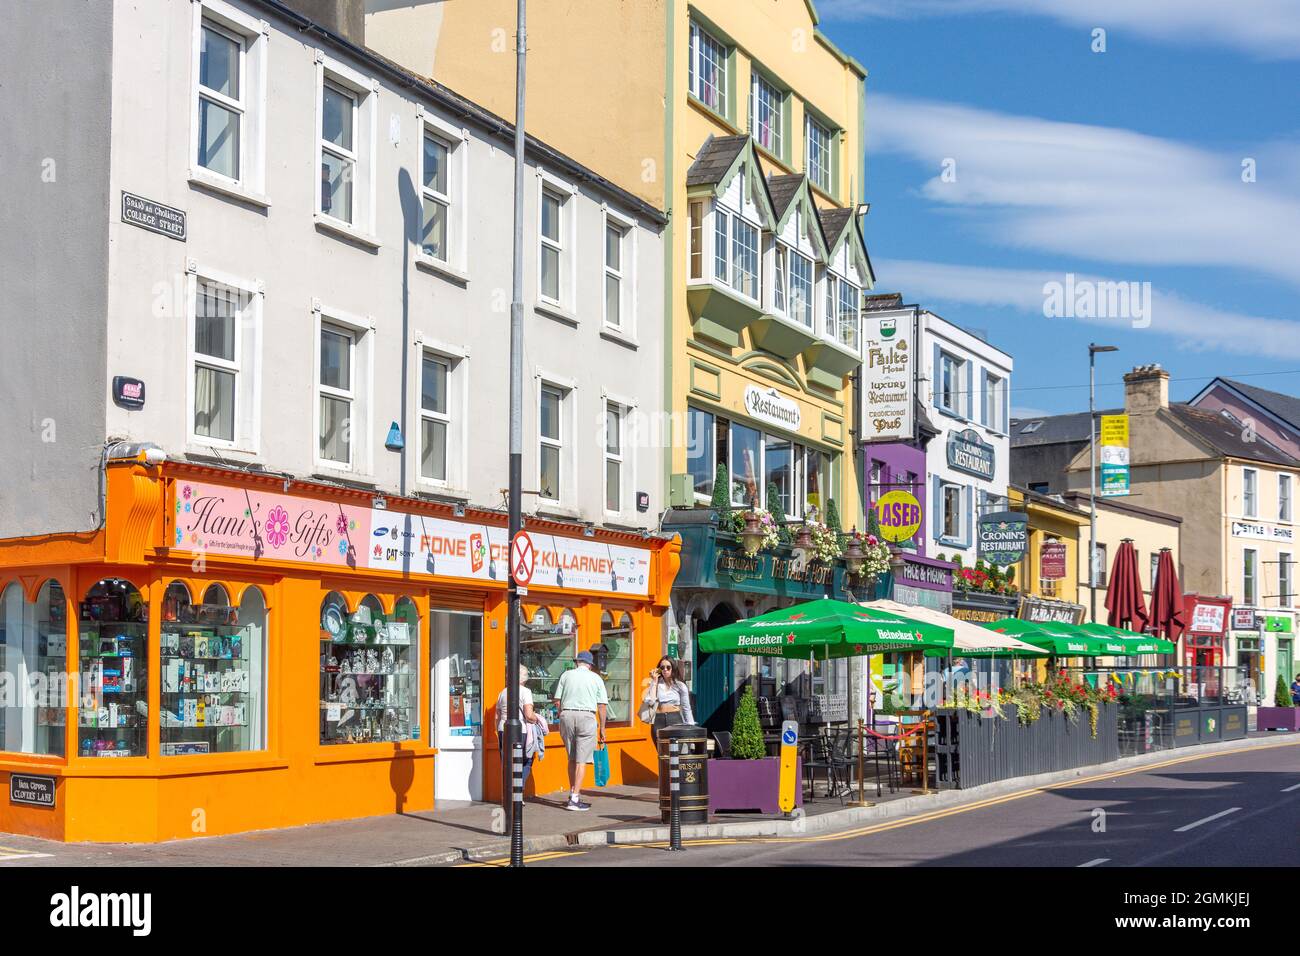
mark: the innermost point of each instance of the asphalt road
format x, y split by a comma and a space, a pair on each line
1223, 810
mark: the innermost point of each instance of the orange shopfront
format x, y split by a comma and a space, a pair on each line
235, 652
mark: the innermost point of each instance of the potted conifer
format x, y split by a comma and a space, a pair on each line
749, 779
1285, 715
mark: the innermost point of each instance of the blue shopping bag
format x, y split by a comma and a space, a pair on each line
600, 763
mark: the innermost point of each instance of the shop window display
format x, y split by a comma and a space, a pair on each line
547, 648
113, 717
211, 658
369, 668
33, 652
617, 638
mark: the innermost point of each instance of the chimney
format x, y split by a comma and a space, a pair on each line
344, 18
1146, 389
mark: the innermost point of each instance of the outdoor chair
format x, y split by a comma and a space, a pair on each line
723, 740
820, 758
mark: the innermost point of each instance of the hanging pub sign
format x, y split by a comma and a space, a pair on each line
1052, 561
1003, 538
888, 375
969, 453
1046, 611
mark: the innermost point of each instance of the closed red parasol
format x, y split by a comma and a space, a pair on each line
1124, 601
1168, 614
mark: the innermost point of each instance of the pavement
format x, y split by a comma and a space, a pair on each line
627, 818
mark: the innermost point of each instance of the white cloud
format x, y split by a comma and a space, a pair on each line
1266, 28
1101, 193
1192, 325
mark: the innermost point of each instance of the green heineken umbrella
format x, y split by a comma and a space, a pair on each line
1133, 643
825, 629
1062, 640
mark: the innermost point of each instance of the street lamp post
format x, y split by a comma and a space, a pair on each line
514, 736
1093, 349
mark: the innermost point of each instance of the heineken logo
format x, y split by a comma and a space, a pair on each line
758, 640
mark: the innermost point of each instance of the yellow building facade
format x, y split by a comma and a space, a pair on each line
745, 124
1048, 575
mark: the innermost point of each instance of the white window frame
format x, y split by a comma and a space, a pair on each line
458, 395
1250, 492
566, 245
1286, 597
695, 81
1250, 577
362, 329
365, 93
348, 395
620, 457
254, 36
811, 124
720, 213
783, 258
777, 129
626, 274
445, 418
958, 370
944, 485
1285, 504
456, 139
565, 392
248, 378
994, 402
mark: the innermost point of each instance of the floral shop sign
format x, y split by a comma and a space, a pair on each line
1003, 537
218, 519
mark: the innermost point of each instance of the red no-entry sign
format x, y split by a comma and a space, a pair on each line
523, 557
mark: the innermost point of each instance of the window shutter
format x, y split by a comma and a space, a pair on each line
968, 523
1006, 405
936, 375
936, 509
979, 399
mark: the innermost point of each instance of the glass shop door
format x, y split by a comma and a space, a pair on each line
456, 682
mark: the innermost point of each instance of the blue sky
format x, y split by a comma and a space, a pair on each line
1123, 165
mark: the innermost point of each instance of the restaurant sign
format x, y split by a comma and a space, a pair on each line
1054, 612
969, 453
1003, 537
216, 519
1209, 616
1052, 561
770, 406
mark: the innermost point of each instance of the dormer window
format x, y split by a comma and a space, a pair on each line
843, 310
735, 261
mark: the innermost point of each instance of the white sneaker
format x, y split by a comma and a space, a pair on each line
576, 804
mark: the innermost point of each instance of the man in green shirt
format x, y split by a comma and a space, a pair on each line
582, 701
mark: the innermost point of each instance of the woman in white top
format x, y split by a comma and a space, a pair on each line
668, 694
526, 717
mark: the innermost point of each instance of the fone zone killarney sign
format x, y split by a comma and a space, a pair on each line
969, 453
1003, 537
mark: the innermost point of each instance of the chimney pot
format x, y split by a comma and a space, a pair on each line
1146, 389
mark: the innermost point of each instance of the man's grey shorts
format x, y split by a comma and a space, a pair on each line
578, 731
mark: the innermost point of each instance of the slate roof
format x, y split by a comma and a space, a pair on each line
833, 222
715, 158
1227, 436
1055, 429
783, 189
1285, 407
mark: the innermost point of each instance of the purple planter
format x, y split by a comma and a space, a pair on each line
749, 785
1278, 718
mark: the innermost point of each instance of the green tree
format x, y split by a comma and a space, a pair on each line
832, 517
777, 512
1282, 696
746, 732
873, 522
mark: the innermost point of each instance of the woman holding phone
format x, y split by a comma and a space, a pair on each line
667, 701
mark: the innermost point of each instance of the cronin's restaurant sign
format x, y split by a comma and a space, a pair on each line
969, 453
1003, 537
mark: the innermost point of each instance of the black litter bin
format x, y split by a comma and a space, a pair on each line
692, 769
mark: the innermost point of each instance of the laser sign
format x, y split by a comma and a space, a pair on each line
899, 514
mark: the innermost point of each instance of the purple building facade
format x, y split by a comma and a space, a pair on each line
895, 466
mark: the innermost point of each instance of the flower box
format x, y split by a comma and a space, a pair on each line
1277, 718
750, 785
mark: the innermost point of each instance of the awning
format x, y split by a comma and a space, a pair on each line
825, 629
1062, 640
969, 640
1133, 643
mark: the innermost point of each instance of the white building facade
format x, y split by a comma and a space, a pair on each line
965, 391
